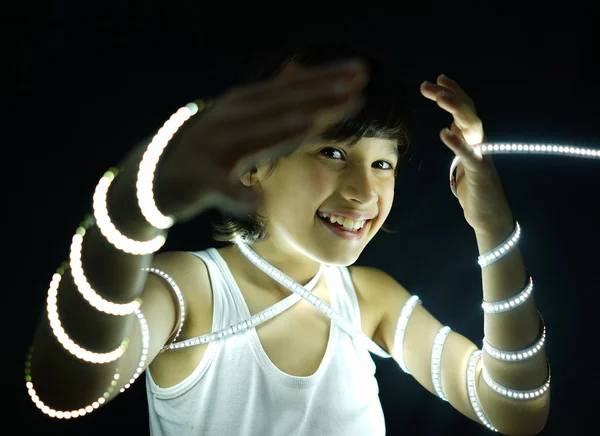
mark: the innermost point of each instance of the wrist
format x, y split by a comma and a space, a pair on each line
492, 235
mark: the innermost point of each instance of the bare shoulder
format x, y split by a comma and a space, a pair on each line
192, 278
381, 294
183, 267
374, 283
189, 273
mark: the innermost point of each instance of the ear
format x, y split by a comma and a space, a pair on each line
246, 179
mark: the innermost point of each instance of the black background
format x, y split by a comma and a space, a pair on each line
84, 85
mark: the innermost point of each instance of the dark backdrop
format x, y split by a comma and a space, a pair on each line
84, 85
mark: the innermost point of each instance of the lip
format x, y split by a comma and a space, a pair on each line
352, 214
339, 231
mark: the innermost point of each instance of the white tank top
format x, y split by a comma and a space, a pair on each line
237, 390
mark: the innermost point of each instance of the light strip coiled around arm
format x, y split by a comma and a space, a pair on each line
403, 319
512, 302
147, 167
501, 250
76, 413
472, 390
84, 287
436, 360
515, 356
520, 355
108, 229
514, 393
64, 414
145, 333
64, 339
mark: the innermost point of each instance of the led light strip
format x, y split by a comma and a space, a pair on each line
501, 250
253, 321
67, 414
147, 167
179, 296
436, 361
145, 332
108, 229
509, 303
472, 390
493, 148
513, 393
298, 289
84, 287
515, 356
64, 339
403, 319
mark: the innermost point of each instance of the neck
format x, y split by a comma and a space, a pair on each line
286, 259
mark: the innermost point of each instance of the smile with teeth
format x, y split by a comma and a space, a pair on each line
347, 223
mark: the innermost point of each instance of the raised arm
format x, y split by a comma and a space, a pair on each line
508, 389
506, 385
62, 380
94, 339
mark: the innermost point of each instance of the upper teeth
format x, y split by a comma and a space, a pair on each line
347, 223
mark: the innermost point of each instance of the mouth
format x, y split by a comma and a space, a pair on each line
339, 230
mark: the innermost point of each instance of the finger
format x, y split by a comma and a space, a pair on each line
463, 112
318, 99
323, 103
253, 137
275, 136
344, 73
430, 90
447, 82
470, 156
231, 197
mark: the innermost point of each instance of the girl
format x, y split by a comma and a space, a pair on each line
303, 166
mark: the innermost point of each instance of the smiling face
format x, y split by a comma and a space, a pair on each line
332, 177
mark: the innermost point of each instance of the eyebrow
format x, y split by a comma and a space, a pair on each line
392, 149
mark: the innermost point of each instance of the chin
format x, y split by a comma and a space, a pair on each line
334, 257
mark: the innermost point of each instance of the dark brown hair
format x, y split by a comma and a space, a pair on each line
386, 114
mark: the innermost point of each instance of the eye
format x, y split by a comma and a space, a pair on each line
389, 165
331, 150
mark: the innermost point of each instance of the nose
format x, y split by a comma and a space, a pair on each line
358, 187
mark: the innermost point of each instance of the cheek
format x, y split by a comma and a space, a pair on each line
298, 188
306, 181
386, 200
